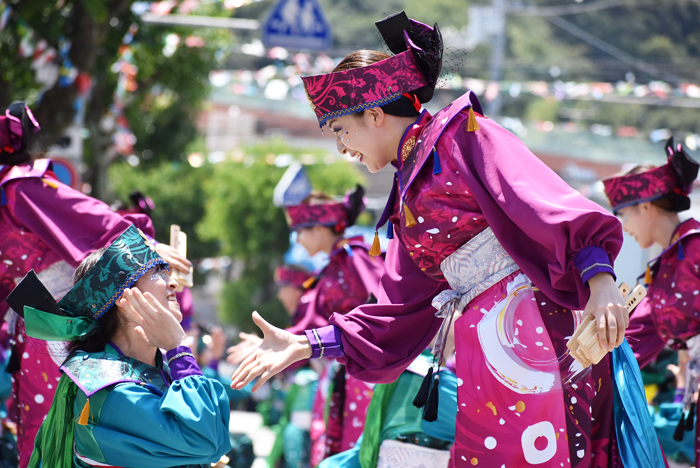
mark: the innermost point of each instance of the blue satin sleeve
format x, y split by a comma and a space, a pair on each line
188, 425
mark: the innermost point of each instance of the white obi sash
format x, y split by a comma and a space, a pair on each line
470, 270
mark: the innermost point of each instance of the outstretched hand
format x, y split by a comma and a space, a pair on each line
154, 322
248, 344
278, 350
608, 307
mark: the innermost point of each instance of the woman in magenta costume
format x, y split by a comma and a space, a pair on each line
479, 225
350, 279
648, 199
50, 228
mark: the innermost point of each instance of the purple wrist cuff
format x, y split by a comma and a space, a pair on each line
325, 342
181, 363
680, 393
592, 260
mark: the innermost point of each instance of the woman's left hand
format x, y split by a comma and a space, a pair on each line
608, 307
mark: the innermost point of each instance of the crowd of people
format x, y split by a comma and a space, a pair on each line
447, 349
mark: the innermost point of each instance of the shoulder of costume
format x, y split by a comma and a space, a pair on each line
688, 228
346, 245
93, 372
430, 135
33, 169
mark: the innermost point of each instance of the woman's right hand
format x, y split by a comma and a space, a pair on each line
156, 324
248, 344
278, 350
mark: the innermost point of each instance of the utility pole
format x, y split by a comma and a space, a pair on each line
498, 52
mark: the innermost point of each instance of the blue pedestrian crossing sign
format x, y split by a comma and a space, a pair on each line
297, 24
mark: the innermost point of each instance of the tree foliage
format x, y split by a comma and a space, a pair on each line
240, 215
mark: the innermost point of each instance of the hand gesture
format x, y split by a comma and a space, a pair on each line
154, 322
248, 344
278, 350
608, 307
173, 257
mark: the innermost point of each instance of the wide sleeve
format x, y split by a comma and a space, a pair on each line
380, 340
642, 336
187, 425
69, 222
541, 221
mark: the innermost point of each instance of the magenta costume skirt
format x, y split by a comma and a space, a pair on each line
522, 400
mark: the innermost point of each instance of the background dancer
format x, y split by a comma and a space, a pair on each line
648, 200
349, 279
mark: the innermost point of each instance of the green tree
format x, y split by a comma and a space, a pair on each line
178, 192
171, 85
239, 213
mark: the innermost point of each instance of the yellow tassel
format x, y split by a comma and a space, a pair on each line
647, 276
472, 124
376, 249
410, 220
309, 282
51, 183
85, 414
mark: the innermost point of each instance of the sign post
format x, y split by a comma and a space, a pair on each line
297, 24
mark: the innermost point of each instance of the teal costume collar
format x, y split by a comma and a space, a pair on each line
128, 258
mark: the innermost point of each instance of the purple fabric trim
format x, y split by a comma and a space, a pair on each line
680, 393
184, 366
116, 348
592, 260
330, 342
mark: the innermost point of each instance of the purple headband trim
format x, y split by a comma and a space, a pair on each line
333, 95
628, 190
322, 214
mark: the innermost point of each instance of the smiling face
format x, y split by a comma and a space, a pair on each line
157, 282
363, 137
637, 221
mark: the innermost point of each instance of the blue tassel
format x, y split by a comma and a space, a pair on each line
3, 198
390, 230
681, 256
437, 168
348, 249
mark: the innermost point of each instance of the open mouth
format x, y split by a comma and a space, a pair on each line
172, 298
357, 155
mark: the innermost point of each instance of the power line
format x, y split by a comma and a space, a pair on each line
611, 49
564, 10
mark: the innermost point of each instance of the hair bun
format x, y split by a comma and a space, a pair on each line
354, 204
684, 167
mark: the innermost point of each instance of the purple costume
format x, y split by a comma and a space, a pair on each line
49, 227
487, 182
669, 315
351, 278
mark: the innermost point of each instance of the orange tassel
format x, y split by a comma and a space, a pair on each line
51, 183
410, 220
472, 124
647, 277
376, 249
309, 282
85, 414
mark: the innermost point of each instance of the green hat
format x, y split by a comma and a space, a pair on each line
128, 258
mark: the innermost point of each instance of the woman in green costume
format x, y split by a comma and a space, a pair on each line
120, 402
